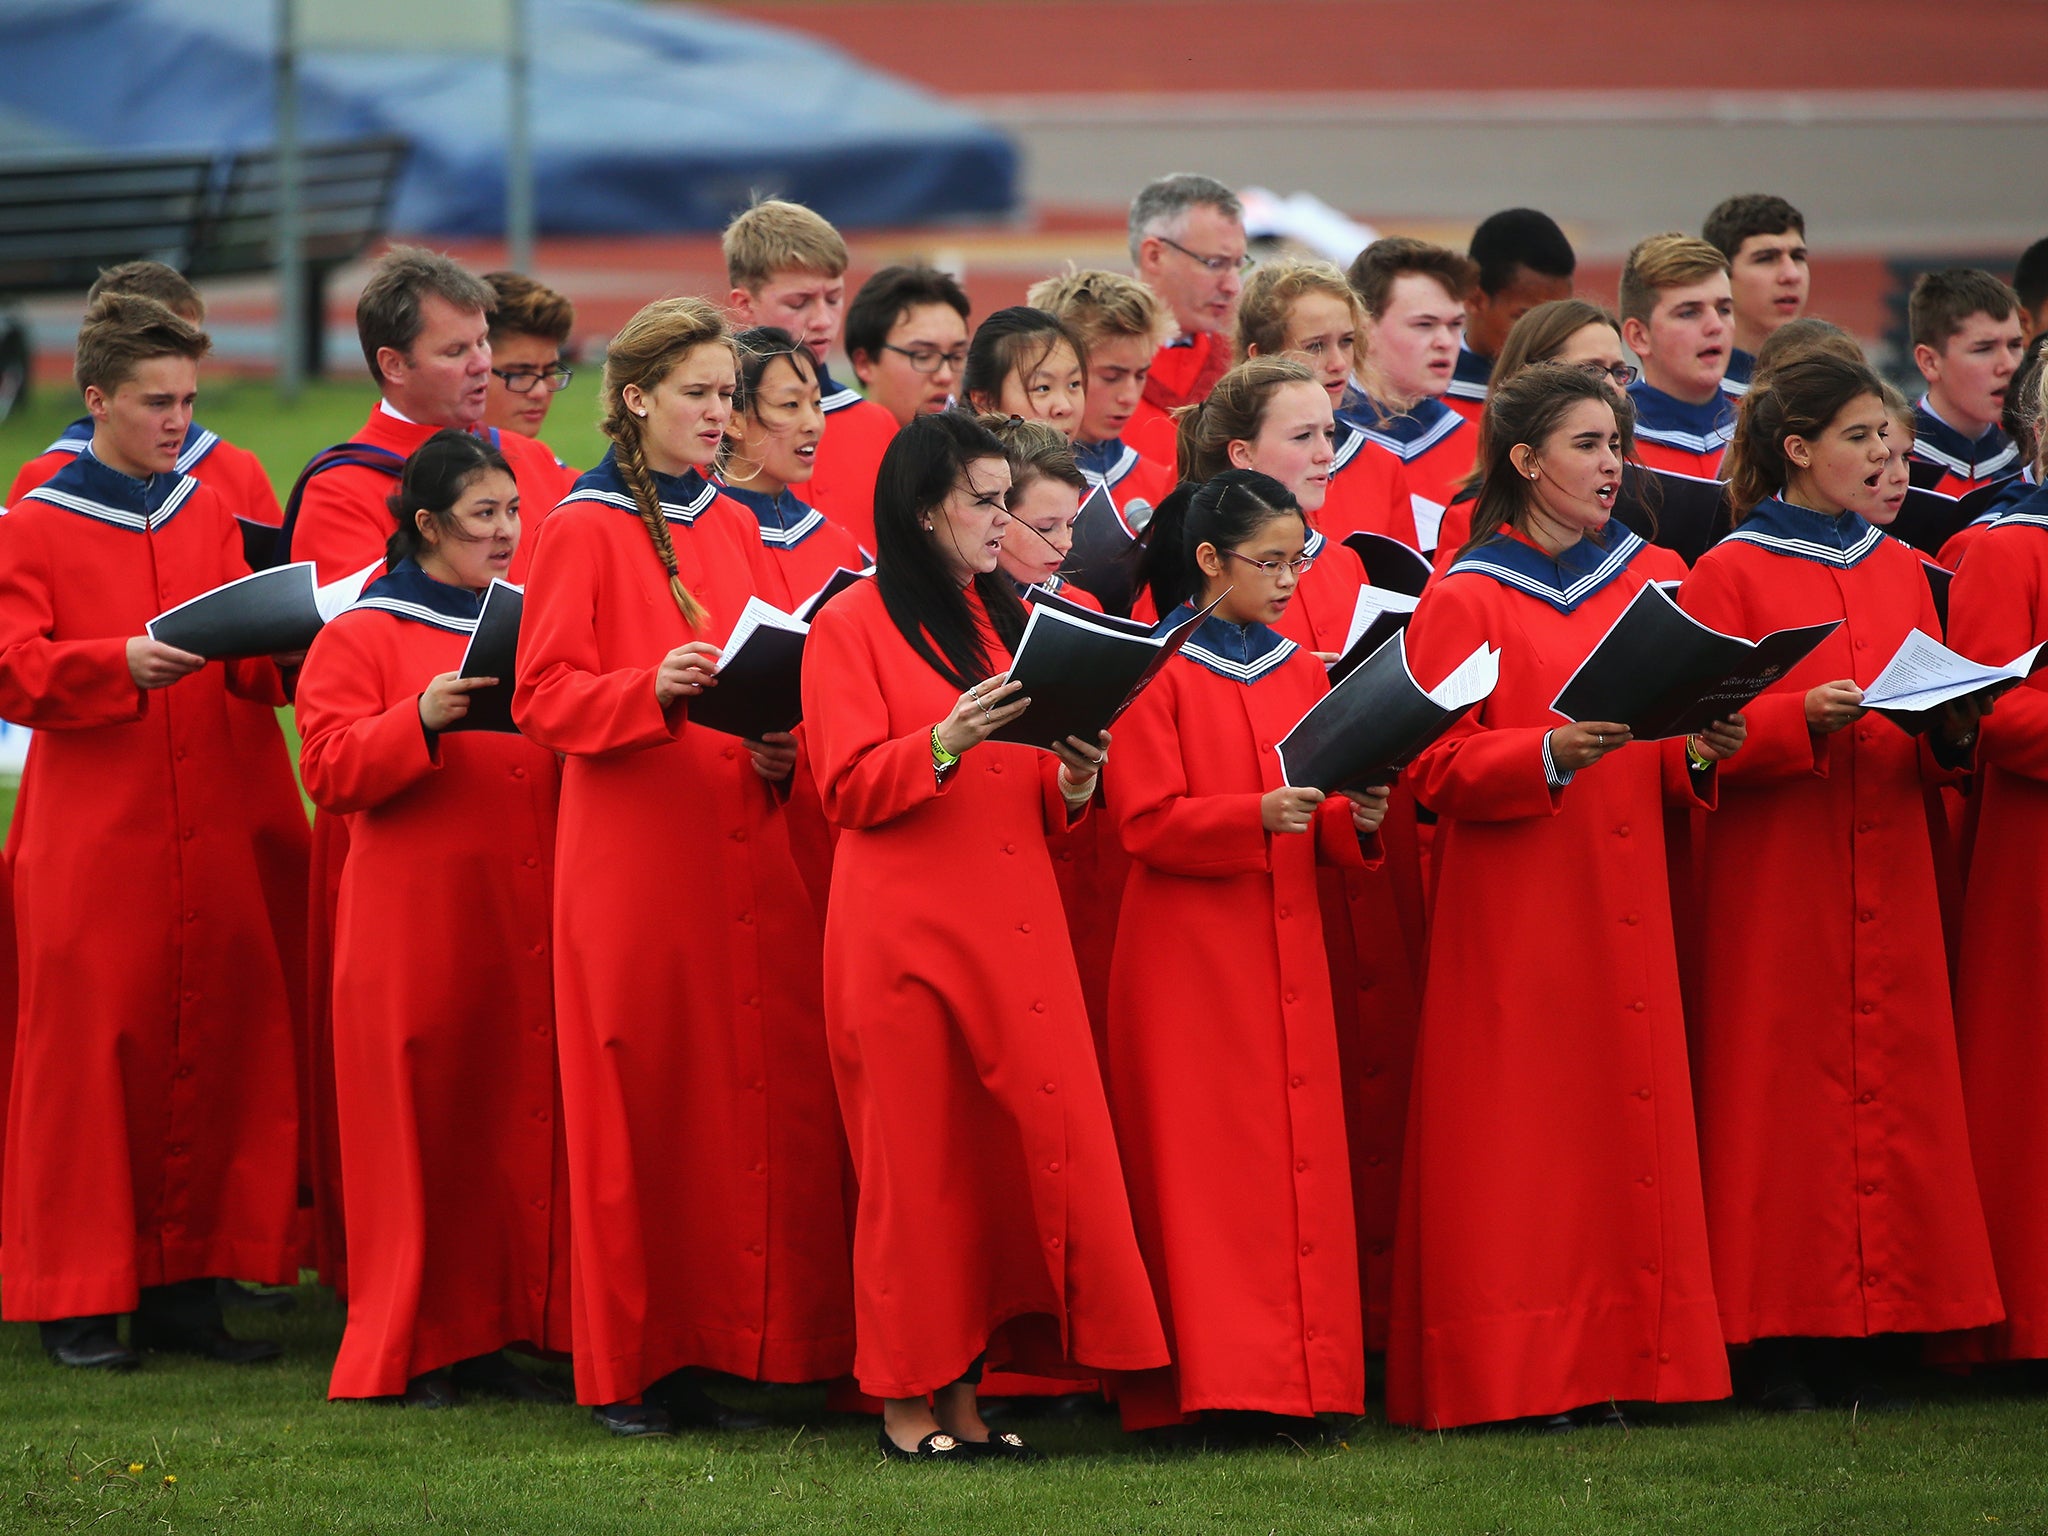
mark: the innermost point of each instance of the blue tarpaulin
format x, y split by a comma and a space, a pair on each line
646, 118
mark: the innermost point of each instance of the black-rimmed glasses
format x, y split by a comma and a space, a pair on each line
522, 380
1622, 373
927, 359
1216, 264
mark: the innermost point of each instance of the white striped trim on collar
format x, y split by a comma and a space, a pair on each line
190, 455
1807, 549
419, 613
1348, 449
1122, 467
1574, 594
840, 399
789, 538
2022, 519
1239, 671
1735, 389
120, 517
675, 513
1465, 389
1691, 442
1313, 544
1407, 453
1967, 468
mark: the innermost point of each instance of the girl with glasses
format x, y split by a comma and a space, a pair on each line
1225, 1080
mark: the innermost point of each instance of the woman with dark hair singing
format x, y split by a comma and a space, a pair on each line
992, 1213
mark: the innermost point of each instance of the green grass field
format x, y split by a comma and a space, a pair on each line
189, 1446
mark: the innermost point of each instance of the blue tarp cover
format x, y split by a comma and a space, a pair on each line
646, 118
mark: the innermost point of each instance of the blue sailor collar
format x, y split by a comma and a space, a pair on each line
1408, 434
1676, 423
834, 396
410, 593
1741, 369
89, 487
1244, 653
785, 521
1786, 529
2032, 512
1471, 375
1105, 462
683, 497
1974, 459
199, 442
1564, 581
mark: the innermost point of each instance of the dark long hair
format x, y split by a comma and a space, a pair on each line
1225, 511
1010, 342
1801, 396
923, 464
1527, 409
433, 480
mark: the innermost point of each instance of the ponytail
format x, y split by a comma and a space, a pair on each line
1800, 398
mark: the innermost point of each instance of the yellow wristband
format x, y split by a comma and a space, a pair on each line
1696, 757
941, 758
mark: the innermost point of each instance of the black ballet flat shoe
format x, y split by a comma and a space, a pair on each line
689, 1406
1551, 1424
208, 1341
634, 1421
938, 1446
1782, 1394
233, 1293
88, 1344
493, 1375
1001, 1445
436, 1389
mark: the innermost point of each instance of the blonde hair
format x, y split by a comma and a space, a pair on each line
1233, 412
1660, 262
1097, 305
774, 236
1269, 296
647, 349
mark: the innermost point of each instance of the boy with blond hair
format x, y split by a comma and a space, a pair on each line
1121, 324
787, 267
1678, 317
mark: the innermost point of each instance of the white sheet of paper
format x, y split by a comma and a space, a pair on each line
758, 615
1924, 673
1372, 602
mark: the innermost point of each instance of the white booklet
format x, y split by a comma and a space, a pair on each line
1924, 674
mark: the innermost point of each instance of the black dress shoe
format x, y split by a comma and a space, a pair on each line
1782, 1394
493, 1375
88, 1344
1001, 1445
689, 1406
233, 1293
633, 1421
209, 1341
938, 1446
436, 1389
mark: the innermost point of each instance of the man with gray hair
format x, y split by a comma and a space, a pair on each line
1187, 246
424, 322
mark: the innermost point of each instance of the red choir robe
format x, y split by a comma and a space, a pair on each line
1435, 446
1966, 463
1552, 1248
1368, 491
1319, 618
444, 1037
1184, 370
1840, 1193
705, 1158
842, 485
1224, 1078
1677, 435
801, 548
1998, 608
153, 1125
278, 816
1135, 483
992, 1214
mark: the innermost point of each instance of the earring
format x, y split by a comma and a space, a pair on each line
641, 414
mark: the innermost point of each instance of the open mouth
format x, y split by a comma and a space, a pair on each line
1607, 492
1871, 480
807, 452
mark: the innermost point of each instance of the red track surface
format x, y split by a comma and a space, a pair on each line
1001, 47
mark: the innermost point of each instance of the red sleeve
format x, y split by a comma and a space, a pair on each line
1476, 772
1780, 745
245, 486
564, 699
355, 750
1994, 614
45, 683
866, 777
1339, 842
36, 472
343, 523
1161, 824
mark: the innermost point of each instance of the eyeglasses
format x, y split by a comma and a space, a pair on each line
1216, 264
522, 380
928, 359
1622, 374
1271, 567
